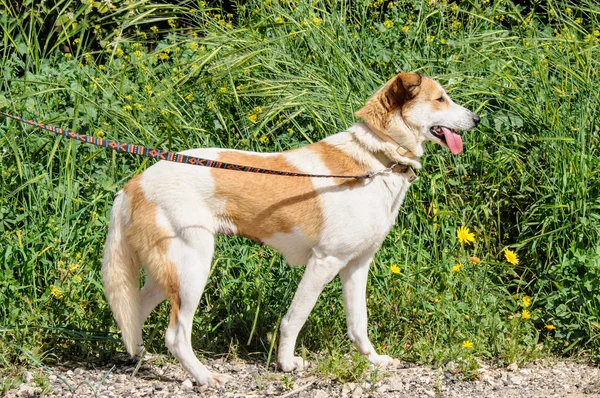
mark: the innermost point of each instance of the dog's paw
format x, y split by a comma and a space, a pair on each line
296, 363
383, 361
219, 380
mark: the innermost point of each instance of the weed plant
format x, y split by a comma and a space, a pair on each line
274, 75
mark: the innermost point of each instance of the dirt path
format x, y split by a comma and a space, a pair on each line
251, 379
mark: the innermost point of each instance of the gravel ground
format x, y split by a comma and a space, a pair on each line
252, 379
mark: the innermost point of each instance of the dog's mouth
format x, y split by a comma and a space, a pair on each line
449, 138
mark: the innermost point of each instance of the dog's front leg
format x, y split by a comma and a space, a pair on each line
354, 286
318, 273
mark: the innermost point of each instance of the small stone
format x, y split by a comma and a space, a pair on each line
319, 394
516, 379
430, 393
396, 384
27, 377
358, 392
488, 379
513, 367
347, 388
69, 373
52, 378
383, 389
187, 384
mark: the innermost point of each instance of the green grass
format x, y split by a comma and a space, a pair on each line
277, 75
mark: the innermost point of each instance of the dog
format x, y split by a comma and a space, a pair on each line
165, 219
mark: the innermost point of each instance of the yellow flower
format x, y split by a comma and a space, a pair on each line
77, 279
317, 21
394, 269
55, 292
457, 268
511, 257
127, 107
258, 109
388, 24
526, 301
253, 117
474, 260
154, 29
430, 38
464, 235
67, 55
193, 46
568, 10
137, 53
222, 90
467, 344
290, 131
99, 133
578, 21
596, 33
210, 104
525, 314
101, 67
172, 23
405, 28
550, 327
119, 52
263, 139
278, 20
73, 267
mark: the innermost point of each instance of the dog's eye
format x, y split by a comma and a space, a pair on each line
441, 99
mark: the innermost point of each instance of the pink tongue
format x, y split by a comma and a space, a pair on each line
453, 140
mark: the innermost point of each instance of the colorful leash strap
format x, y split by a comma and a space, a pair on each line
176, 157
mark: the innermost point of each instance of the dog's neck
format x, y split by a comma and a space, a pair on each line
383, 147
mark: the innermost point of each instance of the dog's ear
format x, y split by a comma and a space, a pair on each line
403, 87
398, 90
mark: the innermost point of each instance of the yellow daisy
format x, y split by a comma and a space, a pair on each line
525, 314
464, 235
394, 269
511, 257
467, 344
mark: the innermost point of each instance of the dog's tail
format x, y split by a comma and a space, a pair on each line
120, 275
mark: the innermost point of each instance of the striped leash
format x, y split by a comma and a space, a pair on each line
193, 160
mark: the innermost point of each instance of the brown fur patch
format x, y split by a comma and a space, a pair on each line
262, 205
150, 243
430, 92
338, 162
392, 96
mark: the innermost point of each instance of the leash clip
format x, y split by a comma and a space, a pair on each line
387, 170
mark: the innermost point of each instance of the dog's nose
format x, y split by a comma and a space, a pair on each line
476, 119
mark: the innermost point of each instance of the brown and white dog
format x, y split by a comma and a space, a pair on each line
165, 219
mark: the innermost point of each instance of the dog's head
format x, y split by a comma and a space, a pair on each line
412, 109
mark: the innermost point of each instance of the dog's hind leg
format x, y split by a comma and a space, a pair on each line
192, 257
152, 294
318, 273
354, 287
